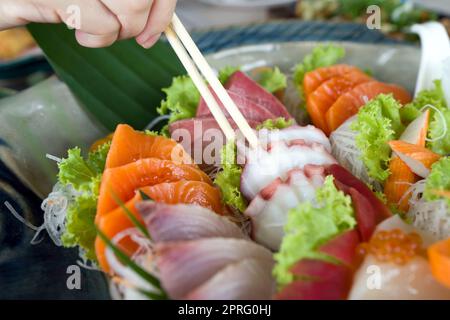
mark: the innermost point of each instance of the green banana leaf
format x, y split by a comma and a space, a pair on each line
119, 84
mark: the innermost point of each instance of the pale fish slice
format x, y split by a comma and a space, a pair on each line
185, 222
249, 279
185, 265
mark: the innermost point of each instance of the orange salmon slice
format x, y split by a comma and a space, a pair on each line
318, 102
122, 181
315, 78
349, 103
129, 145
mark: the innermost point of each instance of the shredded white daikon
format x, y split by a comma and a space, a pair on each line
55, 209
431, 217
130, 283
344, 149
85, 262
156, 121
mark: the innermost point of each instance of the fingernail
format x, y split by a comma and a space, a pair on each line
151, 41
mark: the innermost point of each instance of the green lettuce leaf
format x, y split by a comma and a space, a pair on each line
438, 180
182, 99
84, 175
273, 124
377, 123
229, 179
80, 226
226, 72
75, 170
311, 225
321, 56
434, 99
439, 132
273, 80
96, 159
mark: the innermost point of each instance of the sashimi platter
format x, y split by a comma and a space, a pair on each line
325, 181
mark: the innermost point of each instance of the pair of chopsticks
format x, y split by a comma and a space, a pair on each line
194, 63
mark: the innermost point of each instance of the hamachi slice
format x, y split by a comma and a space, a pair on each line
323, 97
315, 78
184, 266
185, 192
129, 145
243, 85
349, 103
263, 166
122, 182
249, 109
249, 279
389, 281
268, 211
185, 222
307, 133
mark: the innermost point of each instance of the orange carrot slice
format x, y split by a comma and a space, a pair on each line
319, 101
123, 181
419, 159
402, 177
129, 145
349, 103
439, 259
116, 221
315, 78
398, 183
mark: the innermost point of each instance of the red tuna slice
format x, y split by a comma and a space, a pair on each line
343, 247
314, 290
345, 177
321, 271
243, 85
191, 134
249, 109
321, 281
365, 214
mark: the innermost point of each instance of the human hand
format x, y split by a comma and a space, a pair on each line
98, 23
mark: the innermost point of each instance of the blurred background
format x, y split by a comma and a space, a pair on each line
22, 63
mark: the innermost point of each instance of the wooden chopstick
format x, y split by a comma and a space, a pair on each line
202, 65
200, 83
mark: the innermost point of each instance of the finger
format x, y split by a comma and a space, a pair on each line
15, 13
132, 15
151, 41
90, 16
160, 17
95, 40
